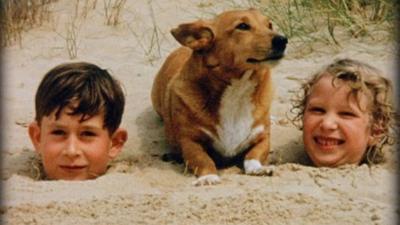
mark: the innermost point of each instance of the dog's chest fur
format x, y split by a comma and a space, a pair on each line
235, 129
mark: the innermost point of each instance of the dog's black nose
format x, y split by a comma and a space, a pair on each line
279, 43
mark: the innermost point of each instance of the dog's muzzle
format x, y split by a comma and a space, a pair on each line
278, 47
276, 52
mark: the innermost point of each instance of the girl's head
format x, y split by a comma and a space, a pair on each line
346, 114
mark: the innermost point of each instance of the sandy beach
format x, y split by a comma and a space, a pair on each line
140, 188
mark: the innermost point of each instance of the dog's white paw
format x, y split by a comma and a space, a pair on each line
210, 179
254, 167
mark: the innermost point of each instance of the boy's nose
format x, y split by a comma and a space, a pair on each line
72, 148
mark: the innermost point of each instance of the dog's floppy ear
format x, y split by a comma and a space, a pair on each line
198, 35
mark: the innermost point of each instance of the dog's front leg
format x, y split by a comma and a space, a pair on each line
255, 157
197, 159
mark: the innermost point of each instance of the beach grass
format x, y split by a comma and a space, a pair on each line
329, 22
306, 22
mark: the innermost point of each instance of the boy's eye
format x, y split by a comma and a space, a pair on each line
58, 132
88, 133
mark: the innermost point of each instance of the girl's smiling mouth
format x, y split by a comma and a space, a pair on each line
327, 142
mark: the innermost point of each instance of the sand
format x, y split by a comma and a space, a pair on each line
139, 187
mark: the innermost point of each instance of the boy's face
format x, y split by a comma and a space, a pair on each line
74, 150
336, 131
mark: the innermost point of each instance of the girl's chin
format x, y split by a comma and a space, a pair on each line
326, 161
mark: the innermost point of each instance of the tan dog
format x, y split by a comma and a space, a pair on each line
214, 93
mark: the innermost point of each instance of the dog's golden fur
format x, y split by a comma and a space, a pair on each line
190, 92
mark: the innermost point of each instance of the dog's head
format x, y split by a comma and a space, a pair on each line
240, 39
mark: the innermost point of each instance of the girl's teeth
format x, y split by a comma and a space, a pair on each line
324, 141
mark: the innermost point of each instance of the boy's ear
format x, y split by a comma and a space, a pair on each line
34, 134
118, 140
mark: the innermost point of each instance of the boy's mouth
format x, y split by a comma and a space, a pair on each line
327, 142
72, 167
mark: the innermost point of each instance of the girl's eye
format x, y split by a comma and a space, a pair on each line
243, 26
58, 132
316, 110
88, 133
348, 114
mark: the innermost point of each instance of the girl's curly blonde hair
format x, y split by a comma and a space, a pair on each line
363, 79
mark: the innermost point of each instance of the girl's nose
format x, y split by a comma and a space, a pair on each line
72, 147
329, 122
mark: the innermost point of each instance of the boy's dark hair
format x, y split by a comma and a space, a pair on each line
92, 88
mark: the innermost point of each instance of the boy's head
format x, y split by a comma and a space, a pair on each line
346, 114
79, 107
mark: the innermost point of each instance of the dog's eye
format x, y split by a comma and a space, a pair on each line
243, 26
270, 26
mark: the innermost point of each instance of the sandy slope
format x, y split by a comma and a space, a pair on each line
140, 188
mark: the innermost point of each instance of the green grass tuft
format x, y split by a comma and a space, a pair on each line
311, 22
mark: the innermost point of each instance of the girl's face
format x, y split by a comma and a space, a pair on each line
336, 130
